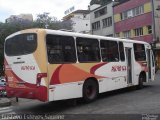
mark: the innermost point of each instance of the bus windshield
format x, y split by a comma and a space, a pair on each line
21, 44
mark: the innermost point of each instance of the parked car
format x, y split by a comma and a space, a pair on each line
2, 87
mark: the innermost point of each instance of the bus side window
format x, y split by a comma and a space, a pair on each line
139, 52
109, 51
88, 50
121, 51
60, 49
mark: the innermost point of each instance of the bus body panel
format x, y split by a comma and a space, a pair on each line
65, 81
22, 70
111, 76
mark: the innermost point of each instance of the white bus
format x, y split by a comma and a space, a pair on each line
51, 65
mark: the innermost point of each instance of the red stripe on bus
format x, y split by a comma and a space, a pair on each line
55, 76
94, 68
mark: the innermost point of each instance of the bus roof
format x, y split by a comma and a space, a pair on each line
59, 32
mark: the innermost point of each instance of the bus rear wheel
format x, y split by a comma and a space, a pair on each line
90, 90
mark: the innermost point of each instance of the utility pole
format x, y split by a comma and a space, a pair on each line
153, 19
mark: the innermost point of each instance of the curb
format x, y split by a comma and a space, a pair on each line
4, 102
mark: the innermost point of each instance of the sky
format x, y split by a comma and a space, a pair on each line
56, 8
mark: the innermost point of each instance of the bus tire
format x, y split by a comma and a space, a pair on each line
90, 90
142, 78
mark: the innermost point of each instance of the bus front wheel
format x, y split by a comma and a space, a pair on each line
90, 90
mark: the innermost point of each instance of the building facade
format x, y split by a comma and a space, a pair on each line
156, 7
102, 20
139, 20
80, 21
133, 19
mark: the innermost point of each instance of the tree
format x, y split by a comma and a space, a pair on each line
44, 20
51, 22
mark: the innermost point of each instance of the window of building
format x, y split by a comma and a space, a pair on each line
138, 10
88, 50
149, 29
96, 25
139, 52
132, 12
127, 34
109, 51
129, 13
138, 31
60, 49
121, 51
100, 12
117, 35
107, 22
124, 15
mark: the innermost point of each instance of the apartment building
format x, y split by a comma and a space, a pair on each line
80, 20
133, 19
102, 19
139, 20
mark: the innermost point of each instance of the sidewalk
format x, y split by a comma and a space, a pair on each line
158, 72
4, 102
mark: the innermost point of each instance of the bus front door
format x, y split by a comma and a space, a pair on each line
129, 64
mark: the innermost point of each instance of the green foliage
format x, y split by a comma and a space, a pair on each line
42, 21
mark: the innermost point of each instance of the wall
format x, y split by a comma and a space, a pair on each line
142, 20
81, 24
102, 31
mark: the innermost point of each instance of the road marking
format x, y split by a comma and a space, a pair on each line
6, 110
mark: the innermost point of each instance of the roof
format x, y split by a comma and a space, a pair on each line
102, 6
58, 32
76, 12
81, 11
120, 2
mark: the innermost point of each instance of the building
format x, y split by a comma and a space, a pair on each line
80, 20
133, 19
20, 18
156, 14
139, 20
102, 18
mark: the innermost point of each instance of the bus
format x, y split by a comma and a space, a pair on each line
50, 65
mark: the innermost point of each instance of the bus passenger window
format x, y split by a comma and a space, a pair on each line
88, 50
21, 44
109, 51
139, 52
60, 49
121, 51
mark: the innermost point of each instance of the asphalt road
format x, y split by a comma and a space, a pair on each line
125, 101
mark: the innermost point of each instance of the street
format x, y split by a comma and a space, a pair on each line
125, 101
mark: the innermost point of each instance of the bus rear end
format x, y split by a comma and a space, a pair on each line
25, 65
